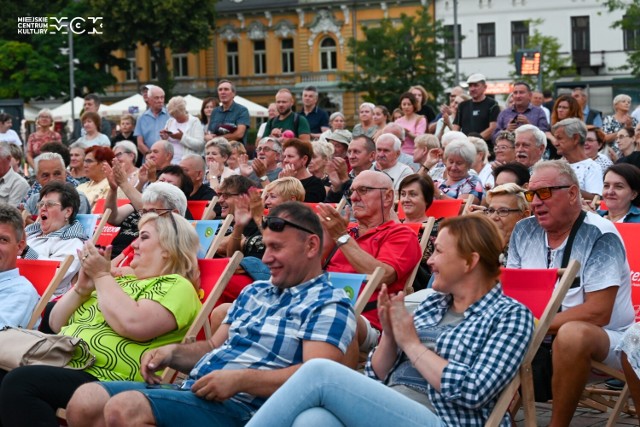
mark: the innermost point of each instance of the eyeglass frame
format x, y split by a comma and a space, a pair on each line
530, 194
501, 212
358, 190
48, 203
267, 221
165, 211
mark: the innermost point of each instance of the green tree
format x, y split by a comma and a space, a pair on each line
630, 22
181, 25
396, 55
552, 64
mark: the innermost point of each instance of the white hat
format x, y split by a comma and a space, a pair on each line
476, 78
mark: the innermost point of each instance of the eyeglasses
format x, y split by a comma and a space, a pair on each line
502, 212
277, 224
49, 204
265, 149
227, 195
362, 191
161, 212
543, 193
503, 148
90, 161
120, 154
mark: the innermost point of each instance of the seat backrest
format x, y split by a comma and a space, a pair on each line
630, 235
445, 208
88, 222
424, 240
532, 288
206, 233
197, 207
352, 284
99, 205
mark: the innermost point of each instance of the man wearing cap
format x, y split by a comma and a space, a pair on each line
479, 114
318, 118
340, 139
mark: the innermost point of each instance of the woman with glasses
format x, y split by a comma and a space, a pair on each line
459, 183
126, 154
626, 141
618, 120
56, 233
120, 318
97, 186
594, 144
504, 148
42, 135
621, 193
444, 365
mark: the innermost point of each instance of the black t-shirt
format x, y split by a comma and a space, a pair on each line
476, 116
314, 190
428, 112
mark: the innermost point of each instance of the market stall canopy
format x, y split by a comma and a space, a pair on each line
255, 110
134, 105
63, 112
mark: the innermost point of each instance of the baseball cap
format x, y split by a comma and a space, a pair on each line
476, 78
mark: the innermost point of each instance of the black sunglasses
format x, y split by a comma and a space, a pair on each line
277, 224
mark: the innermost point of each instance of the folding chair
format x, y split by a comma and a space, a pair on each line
352, 285
93, 224
214, 277
197, 208
424, 239
208, 212
45, 276
534, 289
99, 205
207, 231
217, 240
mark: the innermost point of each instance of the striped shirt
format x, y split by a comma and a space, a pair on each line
268, 326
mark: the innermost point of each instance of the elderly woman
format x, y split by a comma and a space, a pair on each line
423, 372
366, 125
112, 315
413, 123
286, 189
336, 122
427, 152
182, 130
217, 152
618, 120
91, 125
126, 154
322, 156
504, 148
481, 163
76, 163
593, 145
42, 135
621, 193
97, 186
237, 149
459, 183
56, 233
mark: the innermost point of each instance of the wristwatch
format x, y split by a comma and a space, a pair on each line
342, 240
264, 178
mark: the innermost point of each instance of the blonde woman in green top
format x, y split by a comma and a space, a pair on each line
119, 317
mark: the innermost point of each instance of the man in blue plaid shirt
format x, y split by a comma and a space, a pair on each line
271, 329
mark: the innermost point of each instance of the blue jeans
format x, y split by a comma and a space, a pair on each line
325, 393
183, 408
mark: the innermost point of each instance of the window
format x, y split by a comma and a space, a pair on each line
580, 40
328, 55
631, 36
259, 57
132, 72
487, 39
232, 59
288, 66
180, 65
519, 34
450, 52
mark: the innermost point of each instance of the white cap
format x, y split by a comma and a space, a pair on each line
476, 78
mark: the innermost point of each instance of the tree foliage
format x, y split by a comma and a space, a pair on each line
629, 22
396, 55
181, 25
552, 64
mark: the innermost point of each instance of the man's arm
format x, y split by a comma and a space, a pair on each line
596, 309
238, 134
486, 134
141, 145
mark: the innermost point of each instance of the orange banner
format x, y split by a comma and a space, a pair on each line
630, 234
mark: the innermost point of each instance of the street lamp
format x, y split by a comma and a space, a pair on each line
69, 51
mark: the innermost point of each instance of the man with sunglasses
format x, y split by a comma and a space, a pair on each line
597, 309
377, 241
272, 328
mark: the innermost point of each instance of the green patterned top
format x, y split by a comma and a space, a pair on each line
118, 358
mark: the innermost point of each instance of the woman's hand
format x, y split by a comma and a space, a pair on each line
245, 167
241, 212
84, 286
119, 175
256, 206
215, 169
401, 322
384, 305
95, 263
287, 170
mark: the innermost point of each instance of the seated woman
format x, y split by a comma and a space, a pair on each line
322, 156
459, 183
56, 232
282, 190
126, 154
621, 193
445, 365
97, 186
217, 152
119, 318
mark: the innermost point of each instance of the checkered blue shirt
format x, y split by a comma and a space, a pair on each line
484, 352
268, 326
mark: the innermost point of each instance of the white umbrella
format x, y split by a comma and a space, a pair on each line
194, 104
30, 113
127, 106
255, 110
63, 112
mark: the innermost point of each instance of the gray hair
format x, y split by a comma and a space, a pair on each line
153, 88
453, 136
395, 129
509, 189
621, 97
323, 149
333, 116
11, 215
79, 145
177, 104
5, 151
427, 140
463, 149
128, 147
480, 146
47, 156
222, 144
562, 167
200, 164
277, 146
166, 146
538, 135
572, 126
43, 112
397, 144
169, 195
370, 105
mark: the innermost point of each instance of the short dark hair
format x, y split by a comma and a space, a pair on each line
237, 183
102, 154
300, 214
369, 145
69, 197
304, 148
5, 117
186, 185
424, 182
11, 216
311, 88
521, 83
631, 174
519, 170
93, 97
56, 147
233, 87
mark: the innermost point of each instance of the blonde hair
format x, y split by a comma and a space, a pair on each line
323, 149
288, 187
177, 104
181, 244
428, 141
510, 189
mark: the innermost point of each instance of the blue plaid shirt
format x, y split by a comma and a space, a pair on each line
268, 326
484, 353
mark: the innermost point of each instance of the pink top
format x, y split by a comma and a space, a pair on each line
417, 127
37, 140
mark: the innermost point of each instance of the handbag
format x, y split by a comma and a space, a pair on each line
23, 347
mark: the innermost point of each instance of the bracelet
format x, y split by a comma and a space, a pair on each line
413, 363
237, 238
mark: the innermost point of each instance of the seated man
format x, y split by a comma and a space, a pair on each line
271, 329
376, 242
18, 297
597, 309
387, 159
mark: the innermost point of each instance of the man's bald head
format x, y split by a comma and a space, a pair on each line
374, 179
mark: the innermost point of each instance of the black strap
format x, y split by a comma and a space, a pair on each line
567, 250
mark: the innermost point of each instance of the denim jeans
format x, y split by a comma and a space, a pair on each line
325, 393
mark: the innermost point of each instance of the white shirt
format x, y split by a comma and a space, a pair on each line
397, 173
11, 137
589, 176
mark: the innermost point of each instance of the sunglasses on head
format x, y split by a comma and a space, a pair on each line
277, 224
161, 212
543, 193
